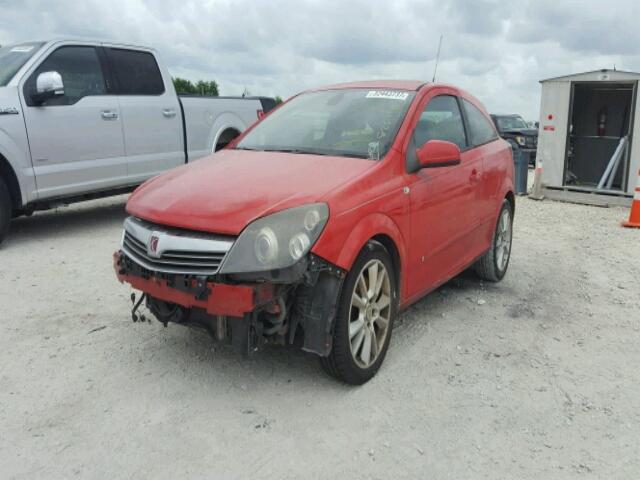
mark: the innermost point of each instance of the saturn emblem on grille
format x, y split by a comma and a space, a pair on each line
152, 247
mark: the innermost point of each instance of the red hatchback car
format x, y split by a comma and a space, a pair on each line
324, 220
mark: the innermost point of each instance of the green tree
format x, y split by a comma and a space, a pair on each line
278, 99
209, 89
201, 87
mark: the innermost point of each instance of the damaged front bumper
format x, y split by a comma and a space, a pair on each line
300, 302
189, 291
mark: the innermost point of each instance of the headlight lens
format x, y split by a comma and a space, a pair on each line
299, 245
266, 245
520, 140
263, 244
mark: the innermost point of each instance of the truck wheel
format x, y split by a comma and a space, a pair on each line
5, 209
367, 309
492, 266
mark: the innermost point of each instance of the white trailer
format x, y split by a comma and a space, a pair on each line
586, 147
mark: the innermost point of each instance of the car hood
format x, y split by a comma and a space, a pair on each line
526, 132
9, 100
225, 192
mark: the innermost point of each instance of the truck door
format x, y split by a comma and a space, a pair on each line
76, 138
151, 116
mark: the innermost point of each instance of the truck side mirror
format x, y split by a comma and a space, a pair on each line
48, 85
438, 153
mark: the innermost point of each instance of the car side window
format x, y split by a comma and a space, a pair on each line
81, 72
480, 129
441, 120
137, 72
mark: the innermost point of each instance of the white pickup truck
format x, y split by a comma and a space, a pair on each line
82, 119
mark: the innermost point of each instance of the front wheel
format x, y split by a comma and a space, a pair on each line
5, 209
492, 266
367, 309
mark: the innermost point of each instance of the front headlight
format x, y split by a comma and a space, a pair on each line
521, 141
278, 240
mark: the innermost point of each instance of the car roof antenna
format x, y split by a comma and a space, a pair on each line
435, 68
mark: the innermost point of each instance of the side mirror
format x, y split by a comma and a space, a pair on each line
48, 85
438, 153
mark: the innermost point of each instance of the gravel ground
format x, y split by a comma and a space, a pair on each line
535, 377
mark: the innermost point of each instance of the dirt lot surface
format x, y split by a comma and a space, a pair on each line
534, 378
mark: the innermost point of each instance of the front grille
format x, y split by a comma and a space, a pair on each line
531, 141
176, 251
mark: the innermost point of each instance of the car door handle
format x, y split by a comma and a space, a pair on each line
169, 113
109, 115
474, 177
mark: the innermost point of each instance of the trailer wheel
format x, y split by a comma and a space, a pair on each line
5, 209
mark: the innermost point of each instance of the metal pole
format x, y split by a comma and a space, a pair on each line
613, 162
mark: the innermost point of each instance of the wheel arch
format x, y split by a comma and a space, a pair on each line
387, 242
383, 229
511, 198
224, 122
226, 136
10, 178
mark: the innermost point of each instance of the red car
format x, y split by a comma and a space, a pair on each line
325, 219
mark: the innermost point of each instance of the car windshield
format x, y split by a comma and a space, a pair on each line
511, 123
359, 123
13, 57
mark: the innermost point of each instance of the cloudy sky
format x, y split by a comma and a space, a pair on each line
497, 49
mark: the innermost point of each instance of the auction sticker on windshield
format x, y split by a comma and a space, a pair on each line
391, 94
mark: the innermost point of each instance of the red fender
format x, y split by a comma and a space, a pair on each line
344, 252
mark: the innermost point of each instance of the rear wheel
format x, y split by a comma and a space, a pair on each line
367, 309
493, 264
5, 209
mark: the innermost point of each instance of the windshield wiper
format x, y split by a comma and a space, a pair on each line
295, 150
316, 152
301, 151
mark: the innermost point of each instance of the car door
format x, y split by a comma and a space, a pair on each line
484, 140
151, 116
442, 198
76, 138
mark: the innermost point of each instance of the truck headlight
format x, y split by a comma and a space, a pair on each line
278, 240
520, 141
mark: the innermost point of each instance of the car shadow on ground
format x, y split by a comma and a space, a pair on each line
284, 365
65, 221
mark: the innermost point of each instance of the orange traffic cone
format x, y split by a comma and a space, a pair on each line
634, 216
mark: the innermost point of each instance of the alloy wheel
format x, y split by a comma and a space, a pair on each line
370, 313
503, 240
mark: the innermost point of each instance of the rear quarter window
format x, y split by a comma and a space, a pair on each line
137, 72
481, 130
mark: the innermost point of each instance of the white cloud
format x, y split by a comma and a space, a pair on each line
498, 50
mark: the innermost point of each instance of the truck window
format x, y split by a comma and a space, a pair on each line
481, 130
81, 74
137, 72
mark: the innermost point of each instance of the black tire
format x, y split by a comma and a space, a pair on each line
341, 363
5, 209
489, 267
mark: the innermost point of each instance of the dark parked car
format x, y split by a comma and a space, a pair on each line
517, 132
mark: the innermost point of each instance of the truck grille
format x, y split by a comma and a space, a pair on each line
166, 250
